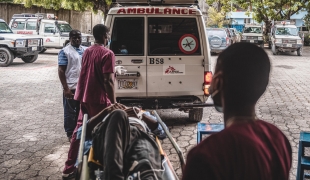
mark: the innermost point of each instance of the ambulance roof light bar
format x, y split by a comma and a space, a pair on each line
157, 2
287, 22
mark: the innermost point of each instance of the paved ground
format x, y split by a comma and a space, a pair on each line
33, 144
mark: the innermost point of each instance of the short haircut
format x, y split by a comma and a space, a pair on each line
99, 31
74, 31
246, 69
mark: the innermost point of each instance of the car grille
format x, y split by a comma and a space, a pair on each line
288, 41
251, 37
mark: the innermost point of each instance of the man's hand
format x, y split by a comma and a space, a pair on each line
68, 94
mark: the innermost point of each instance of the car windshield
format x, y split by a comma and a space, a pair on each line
212, 32
64, 27
4, 28
287, 31
252, 30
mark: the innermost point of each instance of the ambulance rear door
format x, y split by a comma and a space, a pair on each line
175, 55
128, 44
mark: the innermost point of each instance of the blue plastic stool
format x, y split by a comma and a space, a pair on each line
303, 161
206, 128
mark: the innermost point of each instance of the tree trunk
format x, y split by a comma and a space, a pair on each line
268, 25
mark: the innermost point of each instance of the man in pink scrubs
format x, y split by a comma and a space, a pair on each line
95, 89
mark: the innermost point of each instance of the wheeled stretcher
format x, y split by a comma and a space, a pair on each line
86, 173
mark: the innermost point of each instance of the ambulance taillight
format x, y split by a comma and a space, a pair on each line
207, 82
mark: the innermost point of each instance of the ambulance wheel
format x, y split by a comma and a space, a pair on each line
195, 115
6, 57
41, 52
30, 59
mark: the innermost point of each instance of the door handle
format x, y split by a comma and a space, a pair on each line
137, 61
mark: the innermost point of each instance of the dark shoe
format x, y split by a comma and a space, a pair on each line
70, 176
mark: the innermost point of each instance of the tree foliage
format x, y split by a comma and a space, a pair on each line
265, 10
78, 5
215, 18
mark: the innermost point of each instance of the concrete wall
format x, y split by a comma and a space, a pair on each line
83, 21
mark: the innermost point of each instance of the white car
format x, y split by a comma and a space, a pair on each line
17, 45
284, 37
54, 32
253, 33
164, 53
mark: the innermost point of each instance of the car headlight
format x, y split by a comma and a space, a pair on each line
84, 39
299, 41
20, 43
33, 42
278, 40
260, 38
243, 37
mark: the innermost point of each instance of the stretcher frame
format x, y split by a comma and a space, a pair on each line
82, 161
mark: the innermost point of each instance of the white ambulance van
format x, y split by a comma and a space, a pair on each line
54, 32
162, 54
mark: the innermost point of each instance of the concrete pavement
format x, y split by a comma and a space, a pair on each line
33, 144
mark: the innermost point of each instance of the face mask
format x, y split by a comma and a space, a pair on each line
217, 101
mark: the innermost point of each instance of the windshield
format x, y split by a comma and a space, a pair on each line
64, 27
287, 31
220, 33
4, 28
253, 30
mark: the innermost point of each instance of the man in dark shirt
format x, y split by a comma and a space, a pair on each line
248, 148
95, 88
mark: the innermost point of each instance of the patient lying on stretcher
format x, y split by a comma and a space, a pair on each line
124, 143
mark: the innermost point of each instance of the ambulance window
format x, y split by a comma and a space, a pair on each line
31, 26
128, 36
49, 28
18, 25
165, 35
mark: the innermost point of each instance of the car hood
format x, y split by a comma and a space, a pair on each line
83, 34
287, 37
11, 36
67, 34
251, 34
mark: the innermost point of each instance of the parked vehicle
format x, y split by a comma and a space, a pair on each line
253, 33
168, 62
16, 45
219, 39
54, 32
285, 37
236, 34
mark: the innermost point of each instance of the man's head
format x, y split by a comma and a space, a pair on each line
241, 76
101, 34
75, 38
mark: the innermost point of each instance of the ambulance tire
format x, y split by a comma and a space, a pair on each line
30, 59
6, 57
195, 115
41, 52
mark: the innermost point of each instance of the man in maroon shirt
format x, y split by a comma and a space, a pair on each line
95, 89
248, 148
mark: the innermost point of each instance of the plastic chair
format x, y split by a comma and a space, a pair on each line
206, 128
303, 161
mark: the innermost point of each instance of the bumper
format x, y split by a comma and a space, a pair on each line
162, 102
26, 51
217, 49
289, 47
253, 41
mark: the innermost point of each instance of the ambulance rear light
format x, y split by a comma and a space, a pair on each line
207, 82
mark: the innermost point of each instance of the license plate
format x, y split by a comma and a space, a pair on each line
127, 84
34, 48
288, 45
251, 41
